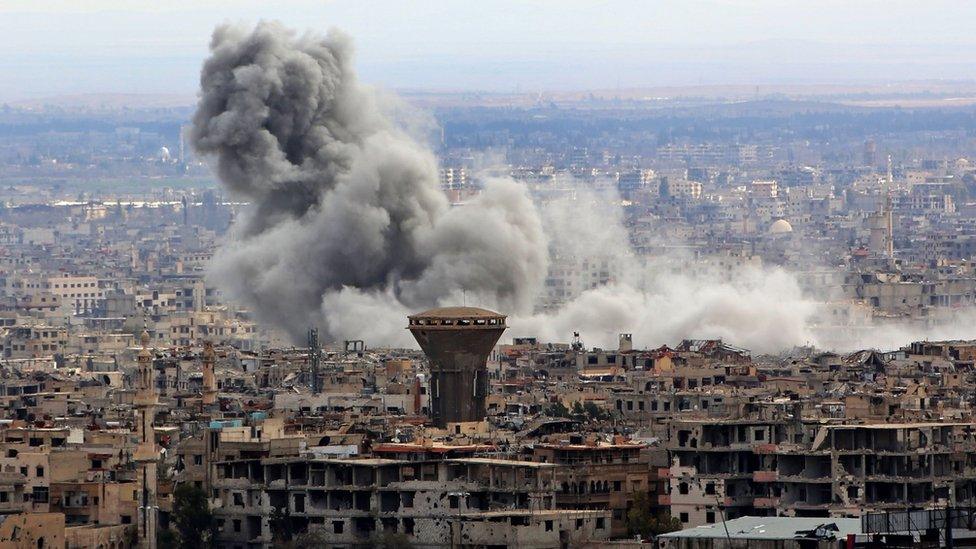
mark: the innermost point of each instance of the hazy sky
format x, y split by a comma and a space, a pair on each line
60, 47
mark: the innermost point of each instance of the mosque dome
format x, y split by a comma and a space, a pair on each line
780, 226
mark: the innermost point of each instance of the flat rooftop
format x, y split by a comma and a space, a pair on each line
457, 312
769, 528
453, 318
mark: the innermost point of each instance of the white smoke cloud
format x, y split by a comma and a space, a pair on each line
894, 333
349, 230
669, 297
761, 310
657, 300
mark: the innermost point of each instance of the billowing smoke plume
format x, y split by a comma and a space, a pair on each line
672, 296
349, 231
665, 298
346, 208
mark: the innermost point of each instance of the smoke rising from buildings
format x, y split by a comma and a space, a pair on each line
345, 205
348, 229
662, 300
672, 296
659, 300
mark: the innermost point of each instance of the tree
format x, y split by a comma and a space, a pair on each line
664, 524
165, 539
595, 412
639, 516
641, 521
192, 517
281, 530
557, 409
589, 411
578, 410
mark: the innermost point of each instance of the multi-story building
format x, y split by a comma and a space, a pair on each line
80, 293
33, 341
464, 502
604, 476
792, 467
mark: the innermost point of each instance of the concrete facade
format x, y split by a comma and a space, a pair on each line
457, 340
468, 502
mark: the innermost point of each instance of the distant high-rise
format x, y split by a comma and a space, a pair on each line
453, 178
870, 153
457, 341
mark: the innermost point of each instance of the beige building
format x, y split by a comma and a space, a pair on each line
33, 341
80, 293
32, 531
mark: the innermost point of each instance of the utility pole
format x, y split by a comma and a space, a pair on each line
718, 504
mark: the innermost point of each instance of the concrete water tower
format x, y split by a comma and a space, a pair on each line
457, 341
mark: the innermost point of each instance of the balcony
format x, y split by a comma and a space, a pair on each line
765, 476
588, 497
765, 503
765, 448
805, 479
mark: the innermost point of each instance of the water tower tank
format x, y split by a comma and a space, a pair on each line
457, 342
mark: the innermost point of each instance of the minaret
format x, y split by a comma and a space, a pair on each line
147, 454
888, 220
209, 381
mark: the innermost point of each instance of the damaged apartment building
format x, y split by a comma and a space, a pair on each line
464, 502
787, 466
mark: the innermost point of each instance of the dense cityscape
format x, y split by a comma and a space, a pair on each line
291, 312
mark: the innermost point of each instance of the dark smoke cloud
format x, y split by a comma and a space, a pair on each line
348, 230
345, 206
